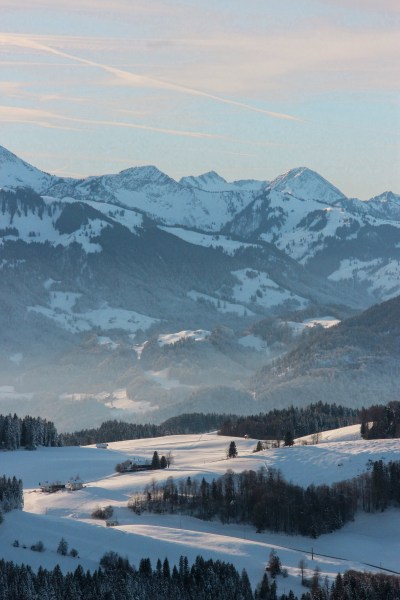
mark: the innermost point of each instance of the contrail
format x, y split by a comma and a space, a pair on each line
45, 118
136, 79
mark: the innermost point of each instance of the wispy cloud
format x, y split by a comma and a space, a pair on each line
33, 116
48, 119
138, 80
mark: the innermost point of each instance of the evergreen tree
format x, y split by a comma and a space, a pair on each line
232, 450
62, 547
259, 447
155, 461
166, 569
263, 589
274, 564
289, 440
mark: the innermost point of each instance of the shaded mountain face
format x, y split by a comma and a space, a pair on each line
93, 271
355, 362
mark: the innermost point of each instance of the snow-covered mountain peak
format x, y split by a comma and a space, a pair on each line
15, 172
144, 174
210, 182
213, 182
386, 197
305, 184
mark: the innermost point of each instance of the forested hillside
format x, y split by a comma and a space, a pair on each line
298, 421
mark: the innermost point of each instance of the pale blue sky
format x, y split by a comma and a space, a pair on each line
249, 88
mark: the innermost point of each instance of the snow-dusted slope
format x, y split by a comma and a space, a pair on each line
30, 218
161, 197
212, 182
15, 172
305, 184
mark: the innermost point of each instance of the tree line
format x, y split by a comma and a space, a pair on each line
118, 431
28, 432
299, 421
11, 494
116, 579
354, 585
265, 500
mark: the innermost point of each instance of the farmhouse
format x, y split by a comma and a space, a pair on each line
74, 484
50, 488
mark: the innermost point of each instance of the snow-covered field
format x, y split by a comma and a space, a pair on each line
340, 454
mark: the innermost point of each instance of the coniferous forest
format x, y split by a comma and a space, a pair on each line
267, 501
11, 494
299, 421
28, 432
116, 579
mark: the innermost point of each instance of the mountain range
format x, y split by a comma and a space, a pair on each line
93, 271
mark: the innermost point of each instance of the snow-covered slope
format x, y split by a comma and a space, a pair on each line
305, 184
15, 172
212, 182
312, 221
48, 517
161, 197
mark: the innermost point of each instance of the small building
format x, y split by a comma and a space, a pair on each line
74, 484
112, 523
50, 488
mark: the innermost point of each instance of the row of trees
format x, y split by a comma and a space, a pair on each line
267, 501
204, 580
299, 421
116, 431
28, 432
272, 425
11, 493
354, 585
118, 580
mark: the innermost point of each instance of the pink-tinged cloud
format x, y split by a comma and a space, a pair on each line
136, 79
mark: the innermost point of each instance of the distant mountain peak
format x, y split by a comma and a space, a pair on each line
209, 181
145, 173
15, 172
306, 184
386, 197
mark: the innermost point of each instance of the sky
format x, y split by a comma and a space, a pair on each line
248, 88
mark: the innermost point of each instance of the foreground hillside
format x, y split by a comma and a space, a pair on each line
48, 517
